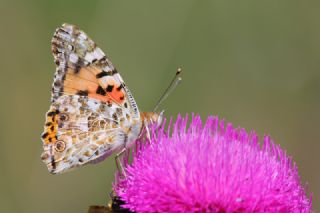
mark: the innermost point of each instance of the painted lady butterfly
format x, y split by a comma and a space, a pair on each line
92, 113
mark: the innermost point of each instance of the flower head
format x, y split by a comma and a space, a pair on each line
210, 168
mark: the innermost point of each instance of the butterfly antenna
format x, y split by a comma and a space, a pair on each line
174, 83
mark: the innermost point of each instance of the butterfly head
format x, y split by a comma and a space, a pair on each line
152, 118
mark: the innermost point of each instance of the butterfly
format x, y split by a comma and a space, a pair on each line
93, 113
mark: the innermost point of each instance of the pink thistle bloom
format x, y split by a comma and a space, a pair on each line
210, 168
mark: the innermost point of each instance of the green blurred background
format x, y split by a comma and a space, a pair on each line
254, 63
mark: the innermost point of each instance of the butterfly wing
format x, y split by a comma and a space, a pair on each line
93, 113
83, 69
80, 130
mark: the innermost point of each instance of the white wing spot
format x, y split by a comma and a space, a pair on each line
73, 58
82, 36
89, 57
97, 53
107, 68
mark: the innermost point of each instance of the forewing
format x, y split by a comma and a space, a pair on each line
83, 69
80, 130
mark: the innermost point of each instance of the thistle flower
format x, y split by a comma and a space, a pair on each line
210, 168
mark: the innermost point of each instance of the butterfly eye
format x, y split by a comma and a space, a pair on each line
64, 117
60, 146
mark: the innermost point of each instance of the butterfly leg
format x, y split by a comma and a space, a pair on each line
148, 135
119, 163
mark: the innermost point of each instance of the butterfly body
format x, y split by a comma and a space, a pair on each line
93, 114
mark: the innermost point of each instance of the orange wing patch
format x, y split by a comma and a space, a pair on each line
51, 128
87, 81
114, 90
82, 81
